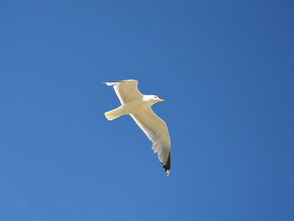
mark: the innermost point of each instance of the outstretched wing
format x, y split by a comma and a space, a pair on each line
126, 90
157, 132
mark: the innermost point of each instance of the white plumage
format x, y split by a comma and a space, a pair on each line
138, 106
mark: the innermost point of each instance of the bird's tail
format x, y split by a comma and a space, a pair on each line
113, 114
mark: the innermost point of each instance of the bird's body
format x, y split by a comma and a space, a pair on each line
138, 106
132, 107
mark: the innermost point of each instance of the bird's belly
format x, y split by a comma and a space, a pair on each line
134, 107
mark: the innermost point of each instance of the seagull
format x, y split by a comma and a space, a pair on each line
138, 106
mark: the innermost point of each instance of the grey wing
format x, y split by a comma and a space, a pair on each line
157, 132
126, 90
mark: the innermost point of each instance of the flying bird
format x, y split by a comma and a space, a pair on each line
138, 106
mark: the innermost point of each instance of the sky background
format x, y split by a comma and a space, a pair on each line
225, 69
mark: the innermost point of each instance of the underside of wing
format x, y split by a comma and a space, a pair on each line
156, 130
126, 90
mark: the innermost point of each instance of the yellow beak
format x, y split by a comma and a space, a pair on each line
161, 100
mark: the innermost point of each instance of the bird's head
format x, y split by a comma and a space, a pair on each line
152, 99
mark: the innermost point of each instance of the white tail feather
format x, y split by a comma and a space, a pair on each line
113, 114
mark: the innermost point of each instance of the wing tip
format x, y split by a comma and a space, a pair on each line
112, 83
166, 166
167, 172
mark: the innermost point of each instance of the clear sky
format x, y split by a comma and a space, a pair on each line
225, 69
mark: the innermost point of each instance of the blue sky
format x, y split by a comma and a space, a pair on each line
225, 69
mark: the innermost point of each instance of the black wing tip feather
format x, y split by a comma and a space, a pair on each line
166, 166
